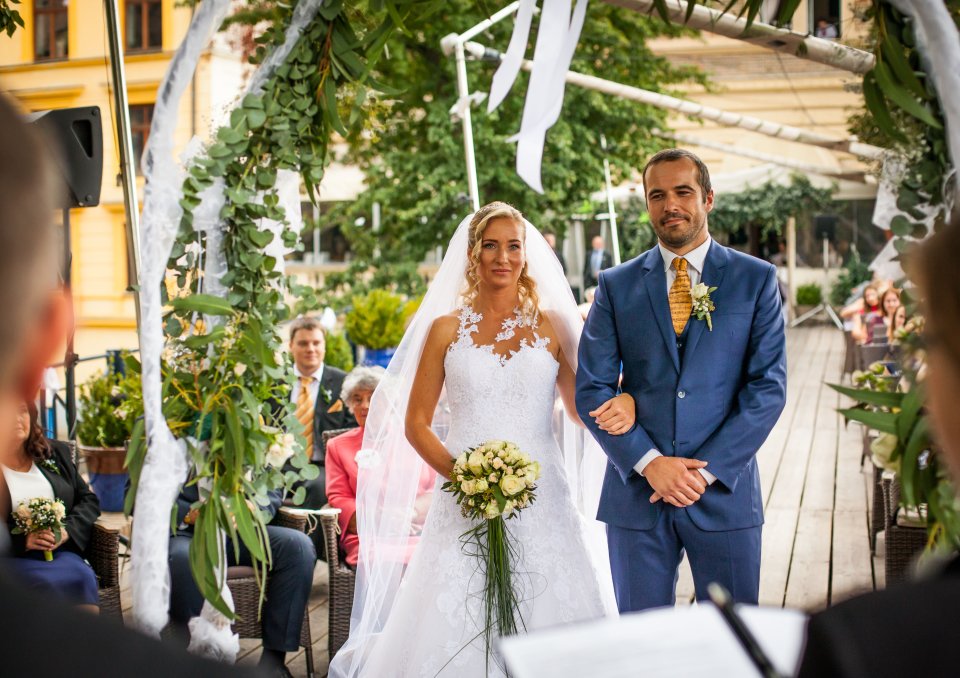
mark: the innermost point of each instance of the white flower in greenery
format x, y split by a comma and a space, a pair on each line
482, 486
492, 511
59, 510
115, 391
469, 487
277, 455
239, 369
497, 463
493, 477
699, 291
120, 413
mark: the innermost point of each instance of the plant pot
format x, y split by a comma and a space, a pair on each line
380, 356
108, 475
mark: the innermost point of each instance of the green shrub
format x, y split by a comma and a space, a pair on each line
338, 352
378, 319
809, 295
109, 406
855, 271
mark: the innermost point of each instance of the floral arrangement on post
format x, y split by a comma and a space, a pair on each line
110, 403
493, 482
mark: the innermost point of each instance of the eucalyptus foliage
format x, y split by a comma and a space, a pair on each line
768, 206
225, 386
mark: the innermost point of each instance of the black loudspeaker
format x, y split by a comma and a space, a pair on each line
825, 226
79, 135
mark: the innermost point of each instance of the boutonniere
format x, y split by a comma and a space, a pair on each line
326, 394
702, 303
50, 465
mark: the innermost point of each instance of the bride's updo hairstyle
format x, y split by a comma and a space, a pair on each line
527, 287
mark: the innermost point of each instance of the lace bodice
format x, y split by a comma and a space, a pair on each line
489, 393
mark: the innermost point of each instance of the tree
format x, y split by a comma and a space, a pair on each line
412, 152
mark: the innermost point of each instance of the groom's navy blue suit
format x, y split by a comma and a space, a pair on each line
710, 395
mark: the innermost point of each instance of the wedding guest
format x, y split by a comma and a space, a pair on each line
909, 629
898, 323
598, 259
44, 637
551, 239
827, 30
584, 308
868, 307
316, 396
291, 577
41, 468
342, 453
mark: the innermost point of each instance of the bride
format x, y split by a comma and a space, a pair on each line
494, 340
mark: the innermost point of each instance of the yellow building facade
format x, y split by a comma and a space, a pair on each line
59, 60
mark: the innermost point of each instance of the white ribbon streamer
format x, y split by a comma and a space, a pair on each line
509, 67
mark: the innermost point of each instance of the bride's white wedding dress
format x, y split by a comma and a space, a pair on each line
434, 626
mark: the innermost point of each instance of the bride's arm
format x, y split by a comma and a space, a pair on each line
425, 393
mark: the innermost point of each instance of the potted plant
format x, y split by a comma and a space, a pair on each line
109, 405
808, 296
339, 354
377, 322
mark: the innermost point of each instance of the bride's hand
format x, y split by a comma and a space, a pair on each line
617, 415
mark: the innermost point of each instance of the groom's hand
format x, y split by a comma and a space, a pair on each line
675, 480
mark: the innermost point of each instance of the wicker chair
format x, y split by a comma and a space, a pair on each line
103, 554
342, 582
246, 596
906, 533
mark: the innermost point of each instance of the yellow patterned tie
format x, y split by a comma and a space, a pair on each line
305, 408
681, 301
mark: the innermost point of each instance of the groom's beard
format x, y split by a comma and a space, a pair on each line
675, 237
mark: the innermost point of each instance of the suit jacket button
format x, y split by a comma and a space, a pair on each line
682, 394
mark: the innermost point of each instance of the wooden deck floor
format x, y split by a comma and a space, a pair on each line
815, 544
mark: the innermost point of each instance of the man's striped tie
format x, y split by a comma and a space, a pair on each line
681, 301
305, 409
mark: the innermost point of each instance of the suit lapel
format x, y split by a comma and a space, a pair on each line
713, 270
654, 284
61, 488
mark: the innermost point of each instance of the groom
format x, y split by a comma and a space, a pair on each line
684, 478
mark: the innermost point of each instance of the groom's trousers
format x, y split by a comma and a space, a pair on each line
645, 563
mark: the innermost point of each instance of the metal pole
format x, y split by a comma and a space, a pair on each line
127, 169
791, 264
463, 92
611, 212
69, 358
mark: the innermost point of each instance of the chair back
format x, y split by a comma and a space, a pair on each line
333, 433
872, 353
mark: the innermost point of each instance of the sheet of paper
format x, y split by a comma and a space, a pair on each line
671, 642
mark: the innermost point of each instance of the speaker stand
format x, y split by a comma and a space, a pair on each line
823, 306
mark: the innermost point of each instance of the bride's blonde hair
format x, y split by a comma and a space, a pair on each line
526, 286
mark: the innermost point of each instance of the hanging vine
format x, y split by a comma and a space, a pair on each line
226, 379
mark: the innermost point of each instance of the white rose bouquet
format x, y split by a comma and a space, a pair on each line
493, 483
40, 514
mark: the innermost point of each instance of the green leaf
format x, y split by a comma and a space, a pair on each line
885, 422
909, 465
202, 303
310, 472
245, 526
330, 9
873, 98
261, 238
893, 53
299, 495
901, 226
256, 118
330, 99
869, 397
902, 97
912, 404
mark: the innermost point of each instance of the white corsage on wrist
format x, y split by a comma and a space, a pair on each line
702, 303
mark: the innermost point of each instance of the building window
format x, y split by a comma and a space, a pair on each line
50, 29
140, 118
144, 25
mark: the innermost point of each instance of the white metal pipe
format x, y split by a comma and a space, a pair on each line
611, 211
717, 115
494, 18
764, 157
463, 91
828, 52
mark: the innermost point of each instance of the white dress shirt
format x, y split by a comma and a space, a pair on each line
695, 262
313, 387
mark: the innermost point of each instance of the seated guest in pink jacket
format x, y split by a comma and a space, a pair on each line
358, 388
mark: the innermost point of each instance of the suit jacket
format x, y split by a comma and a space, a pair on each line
906, 630
718, 406
342, 486
190, 494
606, 261
83, 507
